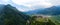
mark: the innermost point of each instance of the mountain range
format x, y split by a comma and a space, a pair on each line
54, 10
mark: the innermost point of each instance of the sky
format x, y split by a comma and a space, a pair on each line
28, 5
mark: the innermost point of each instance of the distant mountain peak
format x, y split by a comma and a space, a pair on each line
54, 10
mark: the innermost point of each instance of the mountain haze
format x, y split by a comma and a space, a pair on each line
54, 10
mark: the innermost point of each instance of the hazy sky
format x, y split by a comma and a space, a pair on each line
27, 5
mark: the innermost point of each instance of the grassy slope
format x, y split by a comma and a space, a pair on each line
55, 19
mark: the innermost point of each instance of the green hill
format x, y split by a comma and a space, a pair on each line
11, 16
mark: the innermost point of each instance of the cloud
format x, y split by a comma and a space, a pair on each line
30, 3
27, 5
4, 1
24, 8
55, 2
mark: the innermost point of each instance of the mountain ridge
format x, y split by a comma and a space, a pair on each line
54, 10
11, 16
